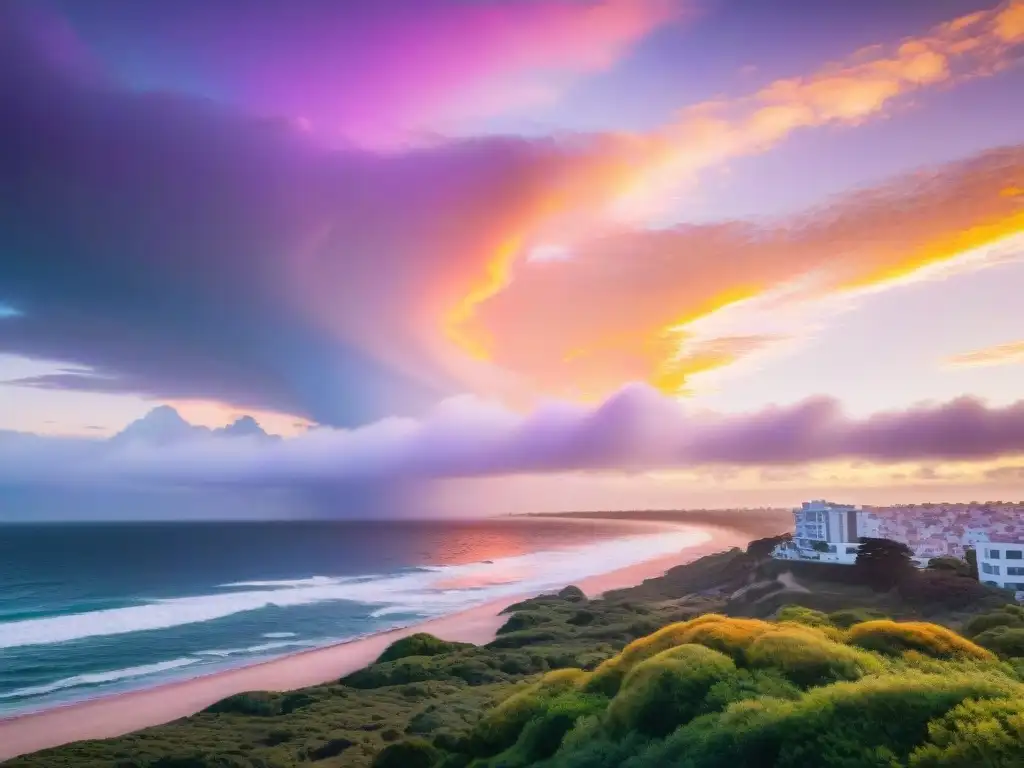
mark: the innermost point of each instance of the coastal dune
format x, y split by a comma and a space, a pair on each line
119, 714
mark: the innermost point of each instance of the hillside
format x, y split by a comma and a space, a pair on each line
761, 652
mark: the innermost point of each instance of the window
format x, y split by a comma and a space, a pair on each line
1014, 570
851, 550
1014, 554
992, 569
992, 554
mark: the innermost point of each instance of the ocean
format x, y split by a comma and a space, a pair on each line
92, 609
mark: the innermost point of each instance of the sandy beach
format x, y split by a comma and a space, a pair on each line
118, 714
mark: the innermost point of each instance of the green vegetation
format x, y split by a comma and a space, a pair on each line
917, 701
419, 644
883, 563
733, 660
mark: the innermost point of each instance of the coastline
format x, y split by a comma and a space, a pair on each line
121, 713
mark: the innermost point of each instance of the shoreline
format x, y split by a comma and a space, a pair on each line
121, 713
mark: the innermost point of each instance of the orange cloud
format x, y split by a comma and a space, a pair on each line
1000, 354
634, 305
849, 92
626, 304
613, 312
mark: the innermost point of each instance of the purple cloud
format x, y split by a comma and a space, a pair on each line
637, 429
173, 248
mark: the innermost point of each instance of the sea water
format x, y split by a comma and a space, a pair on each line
90, 609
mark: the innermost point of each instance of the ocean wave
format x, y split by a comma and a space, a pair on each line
96, 678
277, 635
312, 581
260, 648
422, 593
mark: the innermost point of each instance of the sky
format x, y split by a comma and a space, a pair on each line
517, 255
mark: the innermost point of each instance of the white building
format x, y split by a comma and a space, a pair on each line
825, 532
1002, 565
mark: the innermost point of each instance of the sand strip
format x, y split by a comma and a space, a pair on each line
117, 714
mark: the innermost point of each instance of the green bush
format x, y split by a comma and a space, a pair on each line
573, 594
808, 658
419, 644
875, 721
1005, 641
543, 735
895, 638
667, 690
975, 734
331, 748
847, 617
749, 684
728, 635
412, 753
500, 728
1007, 616
802, 615
525, 620
252, 704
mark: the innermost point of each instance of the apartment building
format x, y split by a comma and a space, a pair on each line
827, 532
1002, 565
824, 531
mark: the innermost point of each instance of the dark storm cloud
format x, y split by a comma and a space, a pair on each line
174, 249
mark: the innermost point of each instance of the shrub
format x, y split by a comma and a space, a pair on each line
950, 564
411, 669
582, 618
1005, 641
802, 615
875, 721
975, 733
668, 689
847, 617
419, 644
525, 620
1007, 616
412, 753
573, 594
895, 638
332, 748
808, 658
253, 704
544, 733
712, 630
749, 684
499, 728
945, 591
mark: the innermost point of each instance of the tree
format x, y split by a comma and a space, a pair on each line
884, 563
971, 558
762, 548
950, 565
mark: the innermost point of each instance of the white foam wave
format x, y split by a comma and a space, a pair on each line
261, 648
312, 581
423, 593
277, 635
95, 678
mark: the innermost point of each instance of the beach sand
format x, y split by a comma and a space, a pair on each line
118, 714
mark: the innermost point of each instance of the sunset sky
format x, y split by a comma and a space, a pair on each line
752, 251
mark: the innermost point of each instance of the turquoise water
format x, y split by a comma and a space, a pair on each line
93, 609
